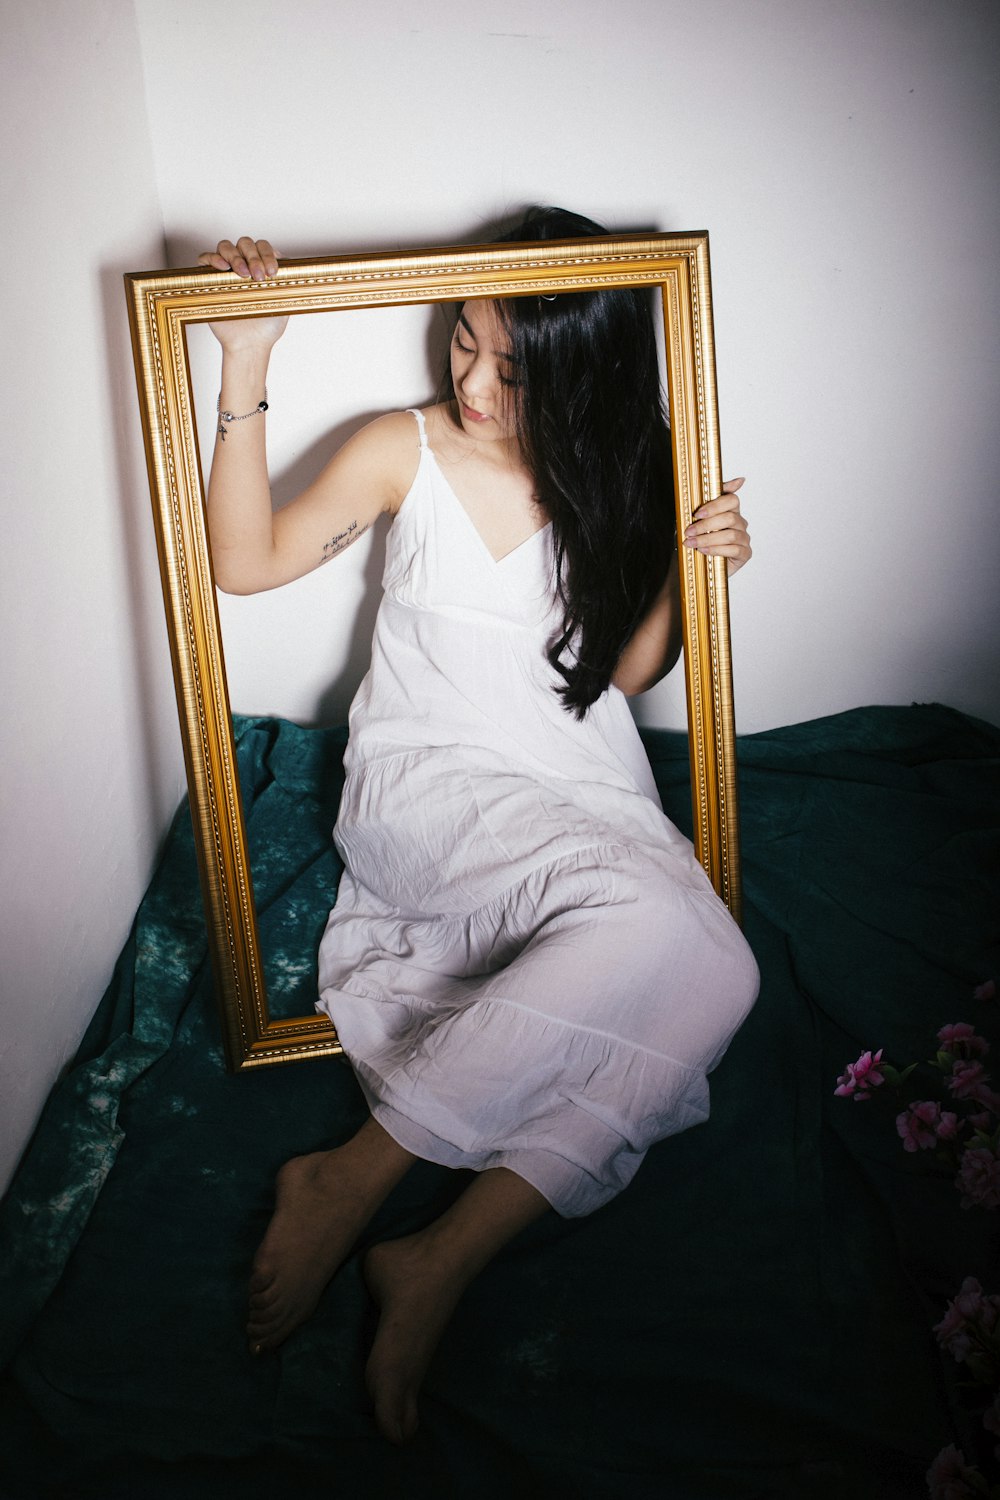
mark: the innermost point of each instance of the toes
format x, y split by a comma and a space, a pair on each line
409, 1420
394, 1397
389, 1429
261, 1279
261, 1301
396, 1416
268, 1330
262, 1339
389, 1425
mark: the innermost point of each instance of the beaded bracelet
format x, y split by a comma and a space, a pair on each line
228, 416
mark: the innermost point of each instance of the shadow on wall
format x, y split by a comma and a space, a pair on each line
352, 648
335, 697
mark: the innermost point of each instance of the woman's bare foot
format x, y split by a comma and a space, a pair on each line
417, 1282
416, 1292
323, 1202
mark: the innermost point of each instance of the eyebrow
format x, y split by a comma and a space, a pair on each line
498, 353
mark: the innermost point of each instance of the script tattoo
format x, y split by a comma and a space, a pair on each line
343, 539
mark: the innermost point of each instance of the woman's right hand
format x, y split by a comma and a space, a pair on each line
256, 259
253, 260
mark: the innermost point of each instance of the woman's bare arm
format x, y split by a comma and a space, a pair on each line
254, 548
718, 530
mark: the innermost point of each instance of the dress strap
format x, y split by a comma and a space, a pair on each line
421, 426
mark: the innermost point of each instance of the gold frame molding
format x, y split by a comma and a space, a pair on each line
162, 303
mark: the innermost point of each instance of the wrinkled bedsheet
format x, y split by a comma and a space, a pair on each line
751, 1318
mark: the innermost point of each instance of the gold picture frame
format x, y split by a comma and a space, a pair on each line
162, 303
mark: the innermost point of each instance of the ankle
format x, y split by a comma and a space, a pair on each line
435, 1258
373, 1153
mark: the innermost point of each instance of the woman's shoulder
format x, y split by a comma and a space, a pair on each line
399, 428
387, 448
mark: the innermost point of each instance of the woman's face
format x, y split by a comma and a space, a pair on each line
482, 372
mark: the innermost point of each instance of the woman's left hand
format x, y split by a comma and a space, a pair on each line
719, 530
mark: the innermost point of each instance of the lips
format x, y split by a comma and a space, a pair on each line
473, 416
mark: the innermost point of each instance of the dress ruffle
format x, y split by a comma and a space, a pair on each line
540, 1025
526, 964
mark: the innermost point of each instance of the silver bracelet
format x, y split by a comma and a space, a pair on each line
228, 416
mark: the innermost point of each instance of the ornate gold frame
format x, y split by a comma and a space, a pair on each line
162, 303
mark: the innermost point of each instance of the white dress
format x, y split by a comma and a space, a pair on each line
526, 964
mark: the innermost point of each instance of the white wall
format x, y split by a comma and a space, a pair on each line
841, 152
88, 735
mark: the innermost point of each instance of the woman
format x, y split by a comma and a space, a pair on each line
526, 965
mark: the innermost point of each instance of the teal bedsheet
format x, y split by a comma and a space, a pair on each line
751, 1318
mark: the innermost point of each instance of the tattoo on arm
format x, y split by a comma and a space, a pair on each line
343, 539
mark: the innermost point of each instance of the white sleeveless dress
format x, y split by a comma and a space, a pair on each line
526, 965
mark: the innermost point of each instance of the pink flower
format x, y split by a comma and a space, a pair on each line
968, 1331
949, 1476
976, 1307
947, 1126
861, 1077
967, 1079
978, 1178
961, 1039
954, 1332
920, 1125
983, 1095
985, 991
983, 1122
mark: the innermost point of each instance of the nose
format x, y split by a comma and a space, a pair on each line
476, 380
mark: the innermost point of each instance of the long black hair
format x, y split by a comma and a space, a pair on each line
592, 432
